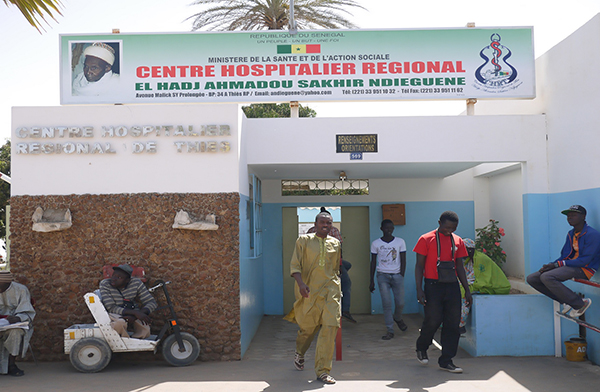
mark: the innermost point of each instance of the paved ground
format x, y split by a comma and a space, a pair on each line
276, 339
369, 364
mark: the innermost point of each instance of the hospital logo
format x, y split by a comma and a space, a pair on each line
495, 74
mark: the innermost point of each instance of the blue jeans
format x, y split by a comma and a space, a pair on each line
346, 285
391, 283
443, 306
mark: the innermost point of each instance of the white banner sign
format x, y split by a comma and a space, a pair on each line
275, 66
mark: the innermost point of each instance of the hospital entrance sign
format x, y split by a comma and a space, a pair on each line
324, 65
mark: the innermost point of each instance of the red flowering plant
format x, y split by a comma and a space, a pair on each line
488, 242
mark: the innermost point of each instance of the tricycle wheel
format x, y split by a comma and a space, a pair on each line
90, 355
171, 353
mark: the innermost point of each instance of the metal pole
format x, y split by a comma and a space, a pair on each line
292, 26
294, 110
557, 333
471, 101
5, 178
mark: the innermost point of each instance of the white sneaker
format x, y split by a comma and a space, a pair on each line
566, 309
575, 313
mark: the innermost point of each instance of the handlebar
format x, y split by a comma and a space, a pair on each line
159, 285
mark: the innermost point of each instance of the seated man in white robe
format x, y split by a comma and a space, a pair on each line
15, 307
97, 77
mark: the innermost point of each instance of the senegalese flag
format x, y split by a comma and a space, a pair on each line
293, 49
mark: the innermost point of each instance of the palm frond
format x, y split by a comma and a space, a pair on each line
36, 11
272, 14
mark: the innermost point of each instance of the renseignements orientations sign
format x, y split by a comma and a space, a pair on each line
275, 66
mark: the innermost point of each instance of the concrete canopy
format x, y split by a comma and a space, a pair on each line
360, 170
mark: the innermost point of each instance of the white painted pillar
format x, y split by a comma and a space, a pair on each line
294, 109
471, 106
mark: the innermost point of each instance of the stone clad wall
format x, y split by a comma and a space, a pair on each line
60, 267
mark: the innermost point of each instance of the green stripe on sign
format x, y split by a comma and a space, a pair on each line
282, 49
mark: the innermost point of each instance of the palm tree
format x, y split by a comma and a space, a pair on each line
272, 14
33, 10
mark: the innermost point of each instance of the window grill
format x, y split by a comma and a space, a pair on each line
255, 212
324, 187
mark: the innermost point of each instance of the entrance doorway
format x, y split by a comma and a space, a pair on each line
353, 223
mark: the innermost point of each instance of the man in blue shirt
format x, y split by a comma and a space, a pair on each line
579, 259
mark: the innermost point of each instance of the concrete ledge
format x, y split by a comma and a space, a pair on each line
183, 220
51, 219
513, 325
521, 285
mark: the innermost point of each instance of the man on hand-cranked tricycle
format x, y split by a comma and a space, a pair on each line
119, 294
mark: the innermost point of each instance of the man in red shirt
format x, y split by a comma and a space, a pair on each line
439, 261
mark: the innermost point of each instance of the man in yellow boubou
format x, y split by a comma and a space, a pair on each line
316, 266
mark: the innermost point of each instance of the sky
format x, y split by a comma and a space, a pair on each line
30, 62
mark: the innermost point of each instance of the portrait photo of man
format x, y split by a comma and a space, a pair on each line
95, 68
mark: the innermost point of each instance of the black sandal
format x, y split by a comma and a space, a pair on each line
13, 370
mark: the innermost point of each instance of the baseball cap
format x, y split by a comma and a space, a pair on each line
575, 208
125, 268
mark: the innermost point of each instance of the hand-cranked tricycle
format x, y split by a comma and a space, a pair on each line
90, 346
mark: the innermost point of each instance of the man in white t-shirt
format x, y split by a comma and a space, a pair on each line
388, 257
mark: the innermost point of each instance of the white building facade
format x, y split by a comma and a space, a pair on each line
518, 162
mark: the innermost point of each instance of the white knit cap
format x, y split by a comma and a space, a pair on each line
102, 51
